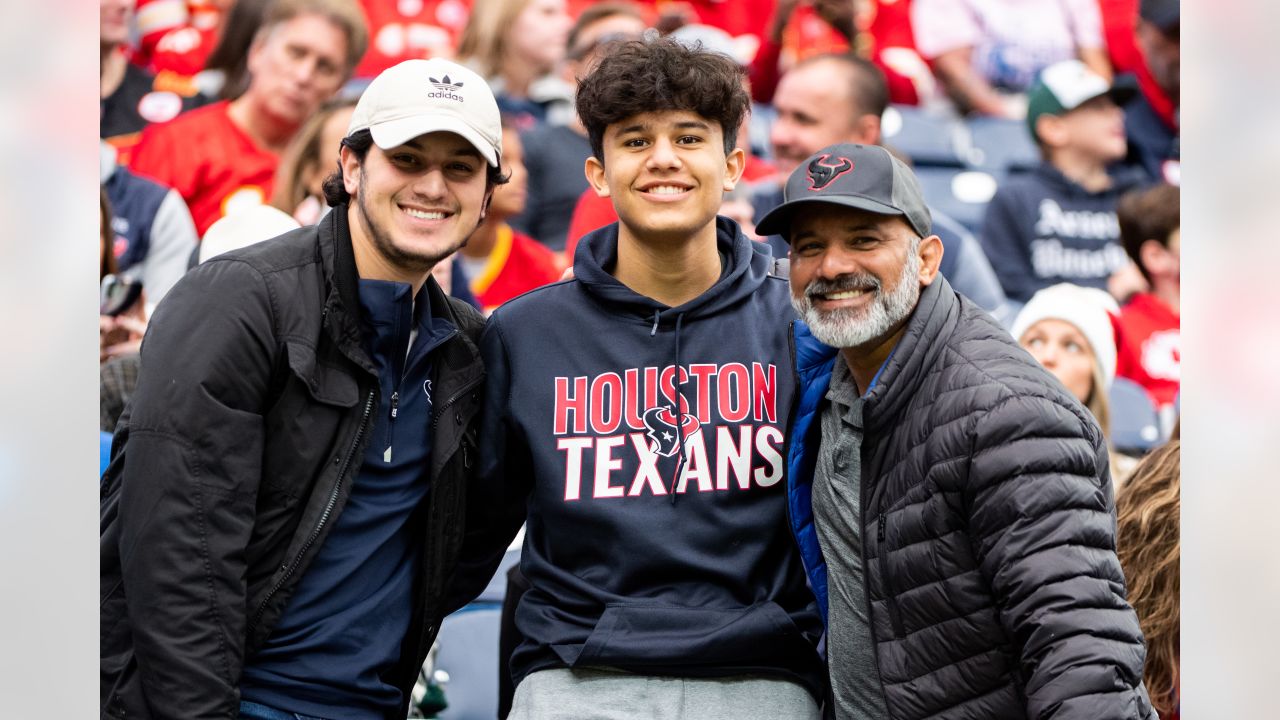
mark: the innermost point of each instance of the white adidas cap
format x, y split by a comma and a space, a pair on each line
422, 96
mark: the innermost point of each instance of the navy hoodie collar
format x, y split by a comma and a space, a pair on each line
748, 267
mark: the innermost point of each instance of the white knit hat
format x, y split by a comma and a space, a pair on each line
1088, 309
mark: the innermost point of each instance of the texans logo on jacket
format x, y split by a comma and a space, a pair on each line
615, 429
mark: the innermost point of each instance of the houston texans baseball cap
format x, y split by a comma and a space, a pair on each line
1066, 85
422, 96
865, 177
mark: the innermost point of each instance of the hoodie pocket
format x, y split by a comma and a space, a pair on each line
657, 635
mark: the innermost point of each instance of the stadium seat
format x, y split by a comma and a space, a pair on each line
468, 643
927, 138
961, 194
1135, 424
1002, 145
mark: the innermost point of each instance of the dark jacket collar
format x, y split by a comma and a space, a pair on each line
342, 306
919, 349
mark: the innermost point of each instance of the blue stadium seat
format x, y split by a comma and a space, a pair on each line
469, 653
1002, 145
468, 643
1135, 424
961, 194
925, 137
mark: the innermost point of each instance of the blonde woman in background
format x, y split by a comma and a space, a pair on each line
1068, 330
516, 45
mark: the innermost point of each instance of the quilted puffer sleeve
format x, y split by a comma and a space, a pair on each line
1042, 518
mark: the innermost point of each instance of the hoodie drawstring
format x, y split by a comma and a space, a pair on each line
678, 412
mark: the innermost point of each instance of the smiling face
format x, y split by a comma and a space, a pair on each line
1063, 350
856, 276
296, 67
666, 173
413, 205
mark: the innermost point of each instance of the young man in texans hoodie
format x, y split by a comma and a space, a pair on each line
637, 413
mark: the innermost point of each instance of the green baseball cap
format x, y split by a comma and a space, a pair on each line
1065, 86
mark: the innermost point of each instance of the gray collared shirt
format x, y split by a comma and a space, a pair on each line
855, 680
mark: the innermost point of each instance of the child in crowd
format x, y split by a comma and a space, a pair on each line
1058, 222
1149, 343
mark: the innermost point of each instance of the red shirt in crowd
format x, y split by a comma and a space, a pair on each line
1148, 348
516, 265
212, 163
402, 30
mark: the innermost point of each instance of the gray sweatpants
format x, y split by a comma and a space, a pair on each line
603, 694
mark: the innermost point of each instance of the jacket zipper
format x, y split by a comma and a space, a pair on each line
890, 597
324, 517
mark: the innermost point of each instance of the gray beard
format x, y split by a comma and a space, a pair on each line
853, 327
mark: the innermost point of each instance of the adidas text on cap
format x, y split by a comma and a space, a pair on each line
864, 177
423, 96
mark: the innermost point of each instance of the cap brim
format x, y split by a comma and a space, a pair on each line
778, 220
394, 133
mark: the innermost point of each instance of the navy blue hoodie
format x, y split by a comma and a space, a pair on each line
589, 413
1041, 229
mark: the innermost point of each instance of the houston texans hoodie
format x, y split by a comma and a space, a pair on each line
648, 443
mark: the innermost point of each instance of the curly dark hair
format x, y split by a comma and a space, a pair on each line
335, 190
640, 76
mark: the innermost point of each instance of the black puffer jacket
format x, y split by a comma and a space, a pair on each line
988, 528
235, 459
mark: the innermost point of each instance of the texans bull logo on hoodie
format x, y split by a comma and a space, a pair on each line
724, 432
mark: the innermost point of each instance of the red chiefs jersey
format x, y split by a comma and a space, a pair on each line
402, 30
1149, 348
212, 163
516, 265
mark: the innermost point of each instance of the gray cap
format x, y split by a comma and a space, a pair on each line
865, 177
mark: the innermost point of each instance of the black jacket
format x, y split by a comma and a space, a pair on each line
988, 528
235, 459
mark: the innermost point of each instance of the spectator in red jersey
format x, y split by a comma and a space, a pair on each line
132, 98
224, 155
499, 262
516, 46
1150, 346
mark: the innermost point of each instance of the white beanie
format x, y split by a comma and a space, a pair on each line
1088, 309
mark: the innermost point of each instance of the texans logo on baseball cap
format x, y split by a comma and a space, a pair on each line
865, 177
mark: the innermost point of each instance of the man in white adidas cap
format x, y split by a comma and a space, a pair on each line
281, 530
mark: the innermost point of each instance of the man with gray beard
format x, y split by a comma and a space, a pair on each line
951, 500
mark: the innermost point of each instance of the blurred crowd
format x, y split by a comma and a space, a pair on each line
1044, 132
